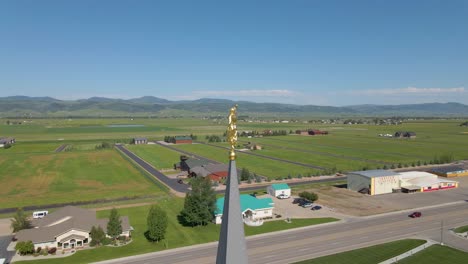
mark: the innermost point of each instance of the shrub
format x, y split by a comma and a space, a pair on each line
25, 247
7, 146
52, 250
38, 250
310, 196
106, 241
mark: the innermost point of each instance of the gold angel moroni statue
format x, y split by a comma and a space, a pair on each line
232, 131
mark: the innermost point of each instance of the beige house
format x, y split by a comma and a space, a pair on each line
67, 228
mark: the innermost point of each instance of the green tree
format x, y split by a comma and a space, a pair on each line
245, 174
20, 221
114, 226
97, 236
157, 224
310, 196
25, 247
200, 203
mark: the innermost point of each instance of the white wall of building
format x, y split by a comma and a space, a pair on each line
386, 184
275, 193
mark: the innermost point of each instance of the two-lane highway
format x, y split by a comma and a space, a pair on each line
310, 242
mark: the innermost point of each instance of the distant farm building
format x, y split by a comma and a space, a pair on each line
253, 209
252, 146
450, 171
140, 140
182, 140
6, 141
405, 134
376, 182
187, 164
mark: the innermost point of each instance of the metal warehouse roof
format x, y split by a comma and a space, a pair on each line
448, 169
375, 173
280, 186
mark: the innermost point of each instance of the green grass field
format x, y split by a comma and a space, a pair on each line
461, 229
437, 254
176, 236
156, 155
46, 178
262, 166
369, 255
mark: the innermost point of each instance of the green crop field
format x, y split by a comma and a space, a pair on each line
262, 166
176, 235
158, 156
46, 178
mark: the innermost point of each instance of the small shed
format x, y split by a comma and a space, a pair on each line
6, 140
279, 188
140, 140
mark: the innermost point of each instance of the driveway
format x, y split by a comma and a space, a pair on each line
171, 183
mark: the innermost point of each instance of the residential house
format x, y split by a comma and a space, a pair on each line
254, 210
67, 228
252, 146
405, 134
187, 164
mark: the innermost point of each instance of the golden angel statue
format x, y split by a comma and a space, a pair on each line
232, 131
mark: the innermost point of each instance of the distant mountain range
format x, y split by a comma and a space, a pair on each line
19, 106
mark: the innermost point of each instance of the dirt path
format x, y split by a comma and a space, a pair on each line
61, 148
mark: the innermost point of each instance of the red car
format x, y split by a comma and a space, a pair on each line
415, 215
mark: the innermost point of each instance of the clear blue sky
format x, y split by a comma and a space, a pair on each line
301, 52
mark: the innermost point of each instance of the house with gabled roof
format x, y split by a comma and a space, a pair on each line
67, 228
254, 210
183, 140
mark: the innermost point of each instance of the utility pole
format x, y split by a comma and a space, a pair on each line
442, 232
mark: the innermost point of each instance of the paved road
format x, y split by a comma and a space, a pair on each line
4, 242
328, 154
61, 148
171, 183
310, 242
271, 158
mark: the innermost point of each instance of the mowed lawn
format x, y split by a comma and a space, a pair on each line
158, 156
369, 255
176, 235
437, 254
47, 178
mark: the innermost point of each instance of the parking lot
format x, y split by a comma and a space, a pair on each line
351, 203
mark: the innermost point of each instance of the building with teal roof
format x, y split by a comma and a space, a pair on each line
252, 208
279, 189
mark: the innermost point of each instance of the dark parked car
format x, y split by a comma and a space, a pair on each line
415, 215
298, 200
315, 208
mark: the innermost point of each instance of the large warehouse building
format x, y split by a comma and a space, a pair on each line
376, 182
450, 171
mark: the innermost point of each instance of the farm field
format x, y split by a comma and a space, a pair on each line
265, 167
158, 156
107, 128
176, 235
46, 178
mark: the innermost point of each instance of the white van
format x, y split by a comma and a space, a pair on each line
40, 214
